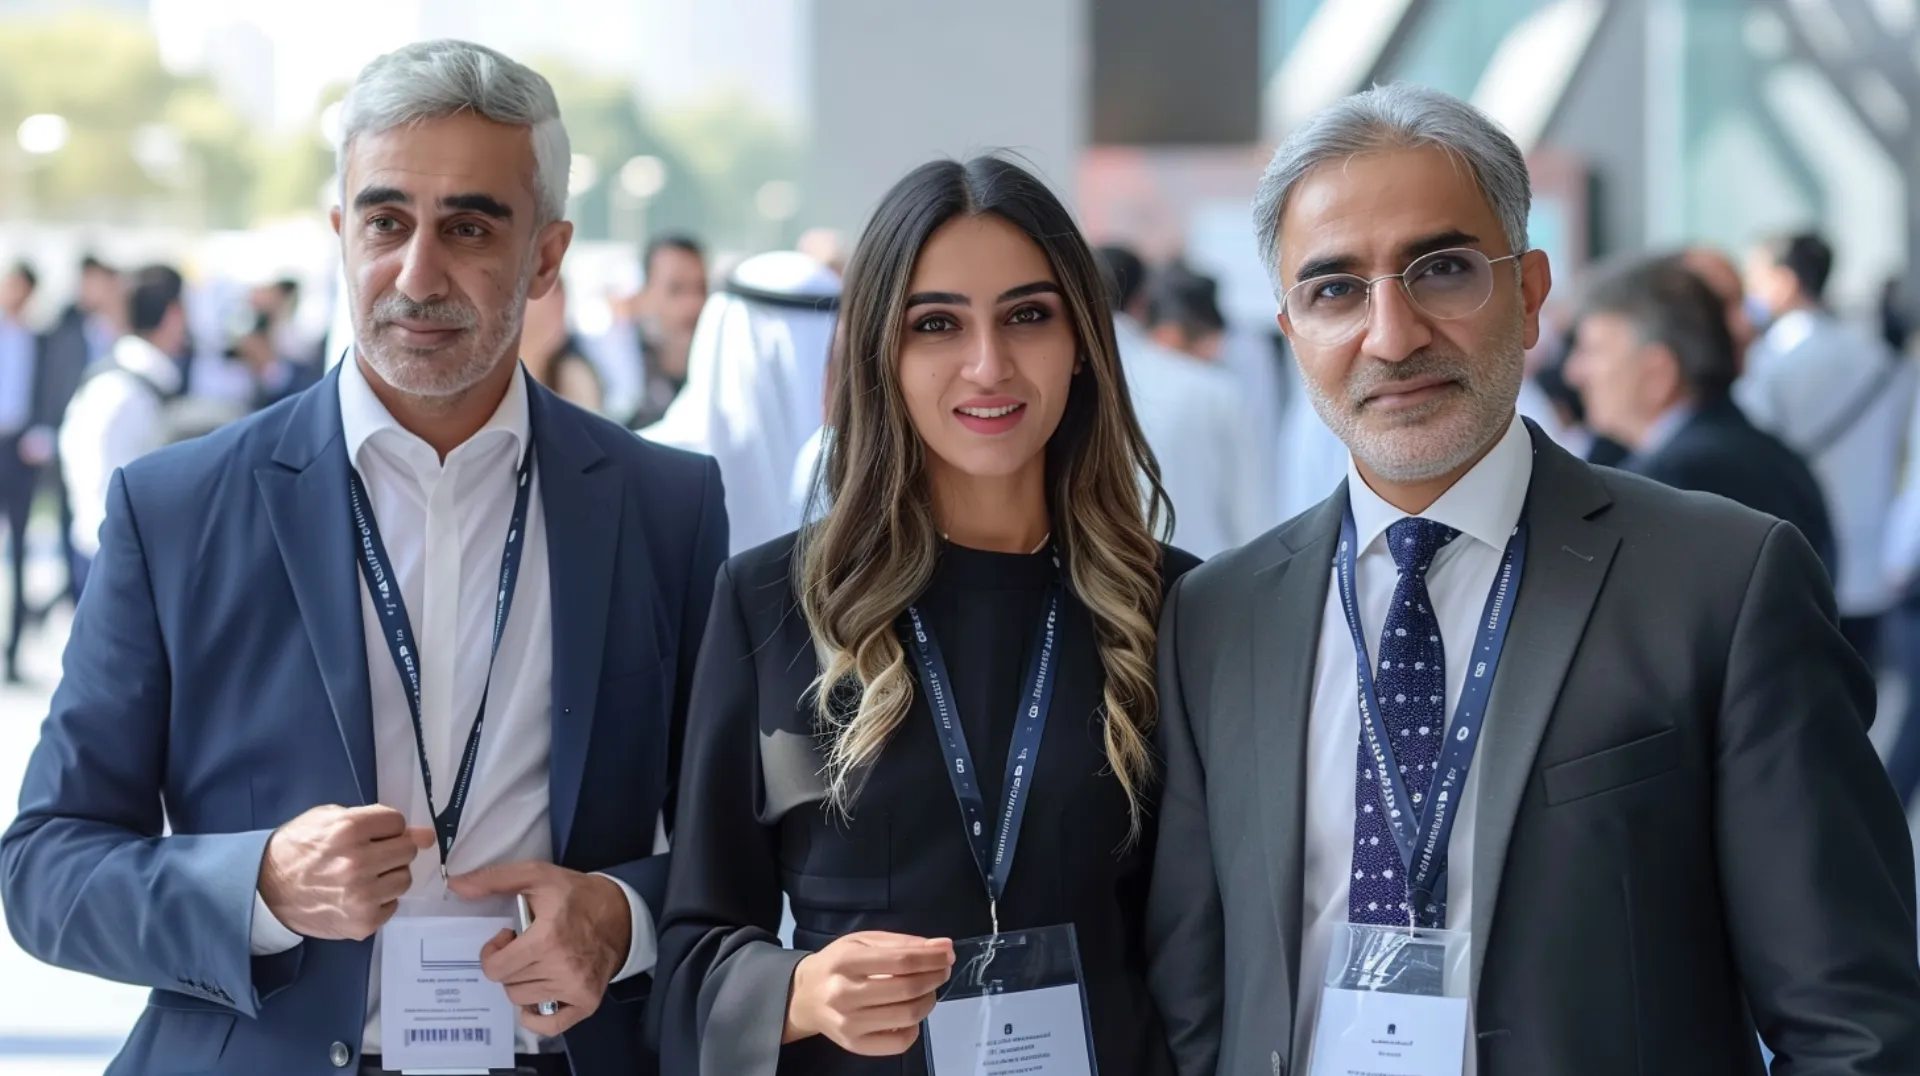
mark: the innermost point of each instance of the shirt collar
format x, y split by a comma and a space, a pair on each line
362, 415
1484, 504
136, 356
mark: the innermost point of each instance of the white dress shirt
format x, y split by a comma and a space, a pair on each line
116, 417
1484, 505
1805, 375
459, 509
1200, 430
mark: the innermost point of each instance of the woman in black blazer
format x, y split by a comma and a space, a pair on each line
986, 472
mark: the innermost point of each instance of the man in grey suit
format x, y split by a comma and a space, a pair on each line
1675, 833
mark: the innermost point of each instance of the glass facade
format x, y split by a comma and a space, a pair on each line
1698, 119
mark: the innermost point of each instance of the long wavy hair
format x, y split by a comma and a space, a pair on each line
873, 552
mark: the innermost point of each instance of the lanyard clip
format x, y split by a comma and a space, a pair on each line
993, 913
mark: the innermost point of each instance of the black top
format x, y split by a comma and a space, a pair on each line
752, 826
1719, 451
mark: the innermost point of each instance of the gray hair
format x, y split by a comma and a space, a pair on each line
434, 79
1399, 115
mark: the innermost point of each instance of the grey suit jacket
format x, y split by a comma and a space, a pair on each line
1683, 832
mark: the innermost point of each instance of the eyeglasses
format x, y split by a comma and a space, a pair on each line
1445, 285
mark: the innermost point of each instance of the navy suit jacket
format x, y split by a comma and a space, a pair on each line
216, 686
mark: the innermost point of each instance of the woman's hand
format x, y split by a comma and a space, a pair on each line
868, 991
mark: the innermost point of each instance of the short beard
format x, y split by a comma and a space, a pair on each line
441, 378
1438, 439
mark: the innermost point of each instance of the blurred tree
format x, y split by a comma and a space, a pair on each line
138, 138
607, 125
736, 148
217, 154
296, 168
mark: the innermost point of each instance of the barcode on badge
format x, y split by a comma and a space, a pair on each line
439, 1035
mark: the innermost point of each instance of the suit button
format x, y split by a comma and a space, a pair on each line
339, 1055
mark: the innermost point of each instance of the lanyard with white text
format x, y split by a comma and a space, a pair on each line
994, 856
1423, 838
398, 631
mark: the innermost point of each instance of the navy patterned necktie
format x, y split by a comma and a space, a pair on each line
1411, 683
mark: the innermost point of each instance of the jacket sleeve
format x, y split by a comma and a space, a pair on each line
90, 880
723, 976
646, 878
1814, 854
1186, 940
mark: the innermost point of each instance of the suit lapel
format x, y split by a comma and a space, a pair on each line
309, 479
1290, 599
581, 494
1567, 560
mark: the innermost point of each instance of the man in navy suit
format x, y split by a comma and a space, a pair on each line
421, 635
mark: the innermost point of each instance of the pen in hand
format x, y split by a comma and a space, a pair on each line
525, 913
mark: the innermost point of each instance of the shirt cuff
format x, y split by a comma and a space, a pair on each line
270, 936
644, 949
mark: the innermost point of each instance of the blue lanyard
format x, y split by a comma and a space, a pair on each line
992, 854
1422, 839
398, 630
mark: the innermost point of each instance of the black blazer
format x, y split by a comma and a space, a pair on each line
753, 827
1683, 835
1718, 451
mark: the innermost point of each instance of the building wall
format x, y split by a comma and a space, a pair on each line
894, 85
1602, 121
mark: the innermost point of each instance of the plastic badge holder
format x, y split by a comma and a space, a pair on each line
1015, 1006
1395, 1002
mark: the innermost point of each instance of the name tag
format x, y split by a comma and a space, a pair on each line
1394, 1004
1014, 1007
439, 1012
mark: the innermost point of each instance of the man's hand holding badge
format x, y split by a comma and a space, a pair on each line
581, 933
338, 873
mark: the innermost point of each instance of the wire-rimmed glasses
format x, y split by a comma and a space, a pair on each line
1445, 285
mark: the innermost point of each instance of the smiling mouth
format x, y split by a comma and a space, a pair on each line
989, 412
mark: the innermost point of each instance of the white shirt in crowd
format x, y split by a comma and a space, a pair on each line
118, 416
1483, 506
1201, 433
1807, 376
459, 509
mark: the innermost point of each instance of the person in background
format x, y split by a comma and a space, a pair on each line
1716, 270
269, 348
19, 477
1902, 569
1183, 313
807, 494
552, 354
1671, 835
754, 381
669, 308
82, 337
1654, 364
826, 246
119, 413
1191, 411
984, 477
1839, 399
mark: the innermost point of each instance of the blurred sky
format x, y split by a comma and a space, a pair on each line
677, 52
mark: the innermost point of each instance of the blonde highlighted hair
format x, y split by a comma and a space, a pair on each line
874, 551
